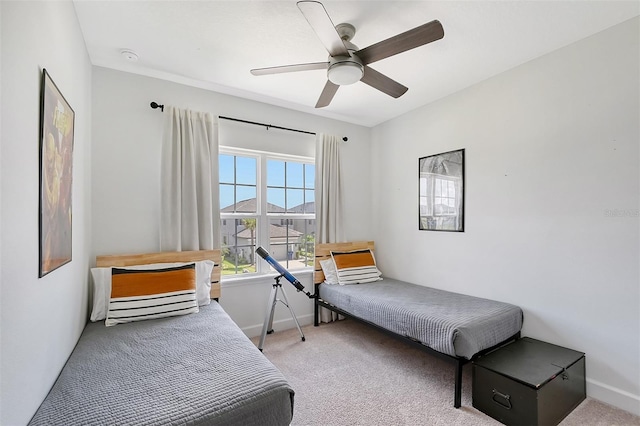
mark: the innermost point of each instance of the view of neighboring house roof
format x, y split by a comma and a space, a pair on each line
275, 231
309, 207
250, 206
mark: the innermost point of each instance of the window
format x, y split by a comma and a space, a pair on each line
266, 200
443, 200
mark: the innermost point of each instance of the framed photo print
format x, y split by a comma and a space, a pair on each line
56, 171
441, 192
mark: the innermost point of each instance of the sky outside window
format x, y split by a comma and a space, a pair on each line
289, 183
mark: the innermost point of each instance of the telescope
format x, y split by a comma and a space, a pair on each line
283, 272
267, 327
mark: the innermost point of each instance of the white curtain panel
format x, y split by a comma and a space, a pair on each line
190, 202
329, 228
329, 205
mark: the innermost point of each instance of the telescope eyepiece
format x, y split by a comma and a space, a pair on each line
262, 252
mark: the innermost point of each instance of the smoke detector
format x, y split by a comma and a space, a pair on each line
129, 55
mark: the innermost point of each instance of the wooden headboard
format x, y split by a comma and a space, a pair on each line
168, 257
323, 251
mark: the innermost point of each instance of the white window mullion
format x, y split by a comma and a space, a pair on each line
263, 220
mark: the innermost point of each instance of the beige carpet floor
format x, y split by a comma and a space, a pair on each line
347, 373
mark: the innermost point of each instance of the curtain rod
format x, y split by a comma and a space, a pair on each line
155, 105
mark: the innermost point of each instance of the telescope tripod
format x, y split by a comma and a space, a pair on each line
271, 308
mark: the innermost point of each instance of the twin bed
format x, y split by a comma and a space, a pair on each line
452, 326
200, 368
191, 369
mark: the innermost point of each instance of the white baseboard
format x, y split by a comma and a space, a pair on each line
613, 396
279, 325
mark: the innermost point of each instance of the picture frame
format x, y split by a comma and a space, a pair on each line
441, 182
56, 176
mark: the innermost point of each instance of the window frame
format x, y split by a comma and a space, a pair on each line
262, 216
427, 200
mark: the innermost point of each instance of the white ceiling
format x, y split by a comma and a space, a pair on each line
214, 44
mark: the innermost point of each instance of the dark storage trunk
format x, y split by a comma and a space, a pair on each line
529, 382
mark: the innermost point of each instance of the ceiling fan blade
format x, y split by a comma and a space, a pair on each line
319, 19
327, 94
383, 83
426, 33
291, 68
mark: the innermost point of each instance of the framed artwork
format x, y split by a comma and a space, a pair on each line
56, 171
441, 192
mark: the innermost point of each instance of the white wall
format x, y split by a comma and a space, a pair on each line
552, 154
552, 147
41, 318
126, 169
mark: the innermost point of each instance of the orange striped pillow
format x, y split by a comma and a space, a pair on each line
355, 267
138, 295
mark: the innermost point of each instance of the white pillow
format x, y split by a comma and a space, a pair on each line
102, 284
329, 270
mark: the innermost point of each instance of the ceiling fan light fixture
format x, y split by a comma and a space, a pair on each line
344, 73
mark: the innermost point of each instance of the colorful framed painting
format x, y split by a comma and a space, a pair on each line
56, 172
441, 192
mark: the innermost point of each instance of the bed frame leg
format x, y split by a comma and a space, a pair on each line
316, 313
457, 400
316, 306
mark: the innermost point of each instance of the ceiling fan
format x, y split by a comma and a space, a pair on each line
346, 63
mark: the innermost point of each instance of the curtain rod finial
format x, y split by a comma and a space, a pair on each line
155, 105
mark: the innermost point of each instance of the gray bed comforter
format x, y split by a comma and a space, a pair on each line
190, 370
451, 323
